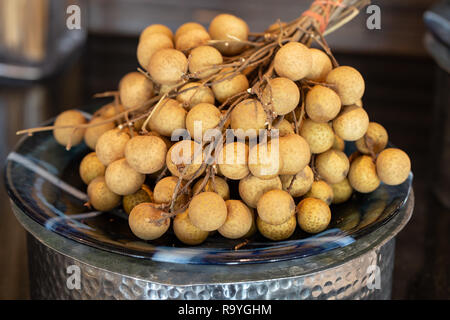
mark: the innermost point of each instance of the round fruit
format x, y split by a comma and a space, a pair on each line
275, 207
321, 190
92, 134
322, 104
91, 168
249, 116
282, 95
320, 65
239, 220
72, 135
348, 82
111, 110
342, 191
220, 186
132, 200
168, 117
302, 183
146, 154
134, 90
186, 232
203, 116
186, 27
295, 154
167, 66
191, 39
363, 175
100, 196
233, 160
232, 28
123, 179
192, 97
111, 145
319, 135
207, 211
352, 123
264, 160
376, 137
185, 153
339, 143
156, 28
164, 189
149, 44
284, 128
224, 89
202, 61
332, 166
313, 215
252, 188
147, 222
393, 166
277, 232
293, 61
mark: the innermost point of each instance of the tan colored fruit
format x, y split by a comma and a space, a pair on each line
111, 145
123, 179
295, 154
284, 127
282, 95
144, 221
239, 220
192, 39
91, 168
149, 44
275, 207
69, 118
249, 116
321, 190
186, 27
232, 28
277, 232
132, 200
92, 134
342, 191
186, 232
233, 160
376, 137
322, 104
348, 82
224, 89
168, 117
252, 188
339, 143
352, 123
363, 175
156, 28
359, 103
320, 65
293, 61
135, 89
319, 135
167, 88
393, 166
264, 160
167, 66
313, 215
111, 110
185, 153
207, 211
220, 186
253, 228
202, 61
146, 154
192, 97
302, 183
203, 115
332, 166
164, 189
100, 196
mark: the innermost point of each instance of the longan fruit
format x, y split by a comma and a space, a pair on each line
186, 27
313, 215
144, 221
376, 136
185, 153
265, 161
111, 110
69, 118
339, 143
348, 82
132, 200
253, 227
295, 154
122, 179
352, 123
319, 135
322, 104
135, 89
168, 117
282, 95
186, 232
248, 115
342, 191
239, 220
275, 207
191, 39
293, 61
321, 190
363, 175
167, 88
359, 103
332, 166
393, 166
284, 127
224, 89
252, 188
229, 27
146, 154
277, 232
111, 145
302, 183
149, 44
220, 186
207, 211
205, 114
164, 189
167, 66
320, 65
156, 28
100, 196
192, 97
202, 61
92, 134
233, 160
91, 168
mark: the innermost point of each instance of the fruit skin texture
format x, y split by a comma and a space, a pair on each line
92, 134
132, 200
192, 97
146, 154
207, 211
149, 44
167, 66
67, 118
348, 82
169, 117
282, 95
320, 66
251, 188
264, 160
135, 89
377, 135
302, 183
111, 145
295, 153
339, 143
142, 221
186, 232
248, 115
229, 87
185, 153
100, 196
342, 191
313, 215
277, 232
322, 104
156, 28
293, 61
206, 113
239, 220
164, 189
123, 179
221, 187
186, 27
319, 136
234, 160
225, 25
284, 127
363, 175
332, 166
321, 190
352, 123
191, 39
202, 59
275, 207
91, 168
393, 166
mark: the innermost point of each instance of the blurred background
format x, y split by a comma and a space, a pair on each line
45, 68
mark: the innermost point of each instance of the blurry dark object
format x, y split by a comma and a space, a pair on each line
437, 20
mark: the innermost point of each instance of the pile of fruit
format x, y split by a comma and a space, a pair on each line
291, 110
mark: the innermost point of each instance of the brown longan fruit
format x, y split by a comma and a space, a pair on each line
265, 161
135, 89
248, 115
277, 232
363, 175
144, 221
239, 220
191, 39
91, 168
313, 215
252, 188
224, 89
321, 190
192, 97
220, 186
111, 110
302, 183
348, 82
229, 27
332, 166
132, 200
66, 135
376, 136
275, 207
359, 103
295, 152
167, 66
111, 145
92, 134
168, 117
146, 154
284, 127
186, 27
342, 191
123, 179
149, 44
253, 227
100, 196
352, 123
205, 114
164, 189
393, 166
320, 65
339, 143
319, 135
156, 28
185, 153
293, 61
282, 95
233, 160
186, 232
322, 104
202, 61
207, 211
